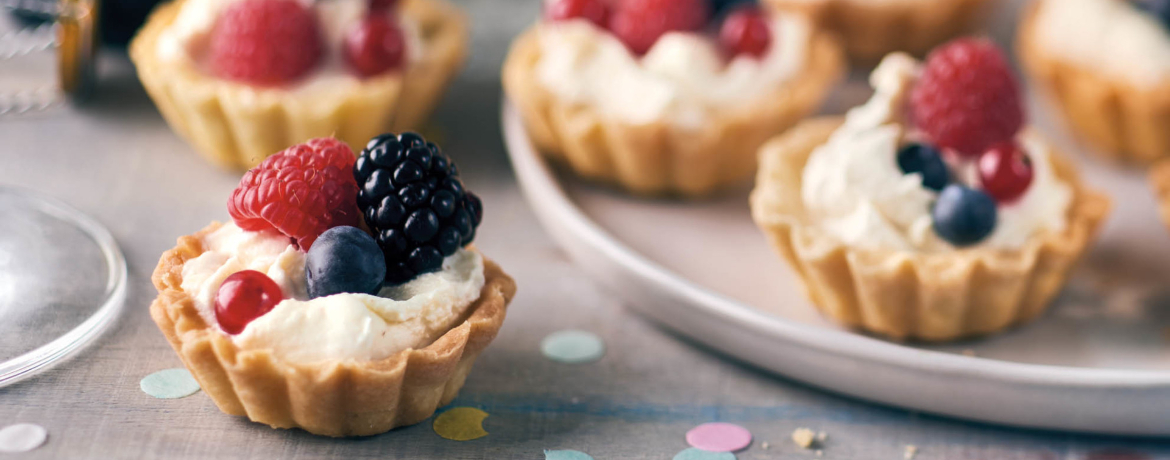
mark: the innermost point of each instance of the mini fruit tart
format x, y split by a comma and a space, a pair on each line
1106, 63
871, 29
666, 96
929, 212
240, 79
343, 307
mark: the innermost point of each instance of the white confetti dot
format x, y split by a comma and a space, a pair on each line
22, 437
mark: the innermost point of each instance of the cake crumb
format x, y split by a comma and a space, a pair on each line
764, 445
804, 437
968, 352
911, 451
822, 436
820, 452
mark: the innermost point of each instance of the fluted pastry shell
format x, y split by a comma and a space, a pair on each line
236, 125
333, 398
657, 158
1119, 120
906, 295
871, 29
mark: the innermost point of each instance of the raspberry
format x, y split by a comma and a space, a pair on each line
639, 23
595, 11
379, 6
415, 204
264, 42
967, 98
746, 31
375, 46
300, 192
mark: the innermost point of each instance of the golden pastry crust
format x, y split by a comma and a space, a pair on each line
1121, 121
657, 158
1160, 180
924, 296
870, 30
337, 398
236, 125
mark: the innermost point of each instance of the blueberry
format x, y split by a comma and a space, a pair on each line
927, 161
963, 216
344, 259
1159, 9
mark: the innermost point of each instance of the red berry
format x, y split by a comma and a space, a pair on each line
596, 11
746, 31
375, 46
300, 192
243, 297
967, 98
264, 42
639, 23
1005, 172
379, 6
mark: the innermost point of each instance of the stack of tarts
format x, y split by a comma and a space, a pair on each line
931, 212
240, 79
666, 97
344, 298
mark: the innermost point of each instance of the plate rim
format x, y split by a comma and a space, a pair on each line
840, 342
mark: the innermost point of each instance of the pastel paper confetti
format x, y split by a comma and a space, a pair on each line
169, 384
695, 453
566, 455
460, 424
719, 437
572, 346
22, 437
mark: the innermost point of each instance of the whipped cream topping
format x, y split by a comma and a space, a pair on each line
186, 40
681, 79
338, 327
1109, 36
853, 188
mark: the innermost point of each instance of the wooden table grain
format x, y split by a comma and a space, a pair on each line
117, 161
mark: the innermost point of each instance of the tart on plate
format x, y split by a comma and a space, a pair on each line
930, 212
241, 79
666, 97
871, 29
338, 311
1106, 64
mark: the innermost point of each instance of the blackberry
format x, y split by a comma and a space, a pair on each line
1159, 9
414, 203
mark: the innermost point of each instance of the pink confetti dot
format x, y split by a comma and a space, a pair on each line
719, 437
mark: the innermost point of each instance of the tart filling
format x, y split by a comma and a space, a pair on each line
345, 326
854, 188
682, 78
1111, 36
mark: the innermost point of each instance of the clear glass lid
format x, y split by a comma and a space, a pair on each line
62, 282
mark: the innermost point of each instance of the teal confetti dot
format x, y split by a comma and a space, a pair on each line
566, 455
572, 346
700, 454
169, 384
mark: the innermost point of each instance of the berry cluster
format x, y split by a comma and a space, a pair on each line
410, 196
967, 104
272, 42
743, 27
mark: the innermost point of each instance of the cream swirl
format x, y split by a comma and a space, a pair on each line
853, 188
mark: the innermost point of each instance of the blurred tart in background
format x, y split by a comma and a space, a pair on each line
930, 212
240, 79
870, 29
666, 97
1106, 64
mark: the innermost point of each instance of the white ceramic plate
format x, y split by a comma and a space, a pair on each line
1099, 361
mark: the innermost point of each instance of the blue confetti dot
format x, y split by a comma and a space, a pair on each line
572, 347
566, 455
169, 384
694, 453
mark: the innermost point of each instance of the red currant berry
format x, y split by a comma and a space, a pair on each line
746, 31
1005, 172
381, 6
375, 46
243, 297
596, 11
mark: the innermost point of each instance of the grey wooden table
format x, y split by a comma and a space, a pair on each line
117, 161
